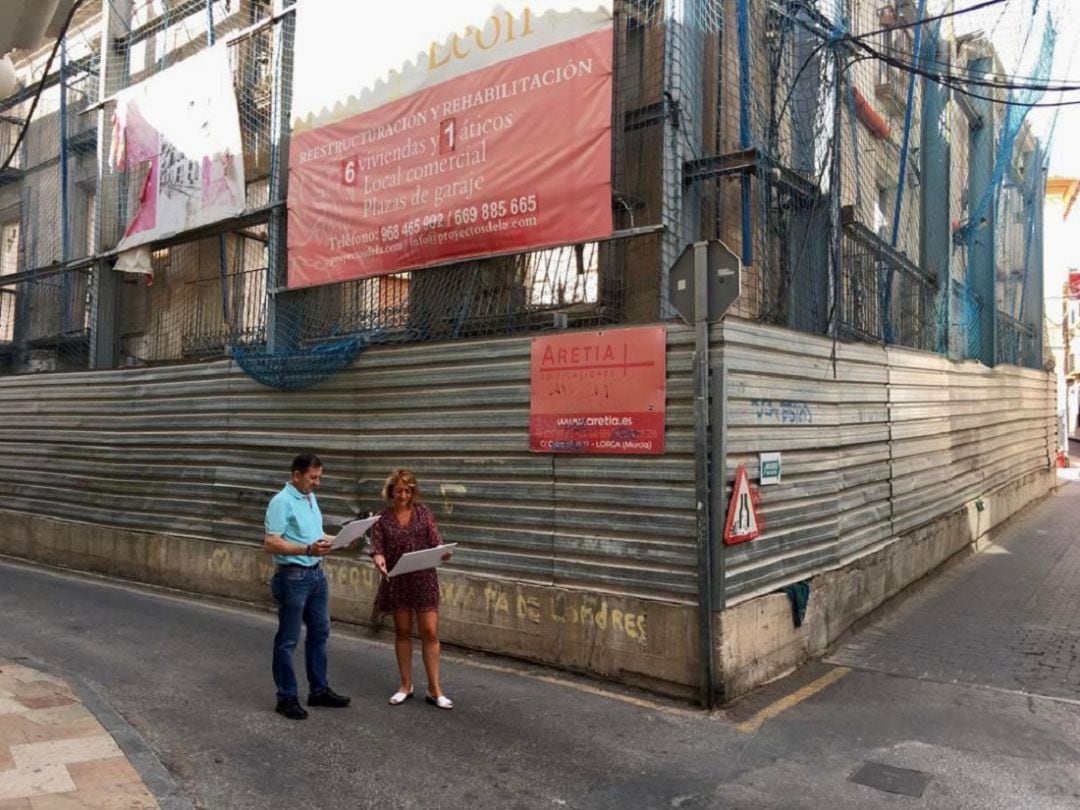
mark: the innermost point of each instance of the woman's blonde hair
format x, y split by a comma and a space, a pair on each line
403, 476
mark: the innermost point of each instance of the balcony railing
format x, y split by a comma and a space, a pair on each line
233, 317
869, 264
1016, 342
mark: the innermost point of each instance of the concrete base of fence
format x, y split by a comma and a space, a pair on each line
757, 639
640, 642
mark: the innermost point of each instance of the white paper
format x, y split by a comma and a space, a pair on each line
352, 530
420, 560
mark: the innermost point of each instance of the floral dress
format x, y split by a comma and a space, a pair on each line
418, 590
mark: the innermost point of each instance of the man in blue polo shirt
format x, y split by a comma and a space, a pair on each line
294, 535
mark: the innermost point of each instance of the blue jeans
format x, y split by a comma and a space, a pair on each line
302, 595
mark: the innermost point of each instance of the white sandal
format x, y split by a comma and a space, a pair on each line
400, 697
442, 701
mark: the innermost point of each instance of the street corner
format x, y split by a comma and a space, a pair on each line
53, 751
748, 713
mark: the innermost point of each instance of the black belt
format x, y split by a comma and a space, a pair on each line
298, 565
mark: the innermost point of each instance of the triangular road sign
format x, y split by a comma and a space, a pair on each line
743, 522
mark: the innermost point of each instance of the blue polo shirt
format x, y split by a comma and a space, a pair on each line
295, 517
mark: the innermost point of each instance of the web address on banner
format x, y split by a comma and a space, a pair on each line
594, 421
366, 253
435, 239
458, 234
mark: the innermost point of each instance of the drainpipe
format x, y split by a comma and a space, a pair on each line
702, 478
982, 299
223, 259
718, 493
65, 217
743, 25
886, 304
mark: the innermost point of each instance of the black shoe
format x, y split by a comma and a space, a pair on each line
291, 708
327, 697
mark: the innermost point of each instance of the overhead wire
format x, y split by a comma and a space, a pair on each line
946, 79
957, 84
925, 20
1017, 83
1006, 90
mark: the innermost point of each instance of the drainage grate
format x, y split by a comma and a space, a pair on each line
890, 779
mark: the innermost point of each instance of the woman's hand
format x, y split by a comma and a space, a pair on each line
380, 563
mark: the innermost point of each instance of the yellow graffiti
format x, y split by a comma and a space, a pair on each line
528, 608
451, 490
458, 596
238, 565
506, 605
495, 600
351, 578
591, 614
587, 611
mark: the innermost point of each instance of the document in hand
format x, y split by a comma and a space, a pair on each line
419, 560
352, 530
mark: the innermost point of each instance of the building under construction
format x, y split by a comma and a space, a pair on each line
870, 163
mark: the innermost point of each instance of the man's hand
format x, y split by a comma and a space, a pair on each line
446, 557
320, 548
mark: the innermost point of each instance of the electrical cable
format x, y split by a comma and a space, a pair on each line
947, 78
1016, 83
939, 78
968, 10
41, 84
956, 83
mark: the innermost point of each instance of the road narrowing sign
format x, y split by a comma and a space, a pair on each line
743, 521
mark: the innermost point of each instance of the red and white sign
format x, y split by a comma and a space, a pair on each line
1074, 284
599, 392
743, 521
494, 140
182, 125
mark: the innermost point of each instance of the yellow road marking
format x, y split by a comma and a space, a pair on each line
796, 697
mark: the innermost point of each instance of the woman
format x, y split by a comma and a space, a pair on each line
408, 525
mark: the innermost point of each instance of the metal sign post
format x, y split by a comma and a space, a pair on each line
704, 282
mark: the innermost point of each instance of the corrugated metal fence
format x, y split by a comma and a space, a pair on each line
875, 442
199, 449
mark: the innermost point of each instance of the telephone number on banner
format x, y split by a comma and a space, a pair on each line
468, 215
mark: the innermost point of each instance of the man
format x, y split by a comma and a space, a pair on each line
294, 535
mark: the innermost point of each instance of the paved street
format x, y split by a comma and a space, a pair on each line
970, 686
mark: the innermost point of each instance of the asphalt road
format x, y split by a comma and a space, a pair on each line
191, 679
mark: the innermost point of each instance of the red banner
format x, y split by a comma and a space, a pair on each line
599, 392
1074, 284
513, 156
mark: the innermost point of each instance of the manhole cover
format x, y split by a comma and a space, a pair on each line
890, 779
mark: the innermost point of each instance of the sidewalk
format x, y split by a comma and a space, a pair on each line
1006, 619
54, 754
